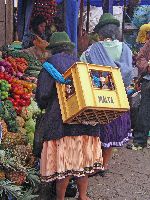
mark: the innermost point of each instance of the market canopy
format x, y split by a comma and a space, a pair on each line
116, 2
98, 3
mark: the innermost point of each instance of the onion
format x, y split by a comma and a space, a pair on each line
2, 69
19, 74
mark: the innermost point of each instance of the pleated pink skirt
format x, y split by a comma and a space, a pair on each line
70, 156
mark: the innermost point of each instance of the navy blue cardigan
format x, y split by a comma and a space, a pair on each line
52, 127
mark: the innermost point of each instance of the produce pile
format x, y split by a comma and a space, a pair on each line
8, 113
34, 66
18, 113
17, 91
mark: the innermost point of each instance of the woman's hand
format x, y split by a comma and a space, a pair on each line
148, 67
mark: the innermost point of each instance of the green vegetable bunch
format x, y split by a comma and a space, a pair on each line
4, 89
8, 113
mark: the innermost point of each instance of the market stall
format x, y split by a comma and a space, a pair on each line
28, 9
19, 70
71, 10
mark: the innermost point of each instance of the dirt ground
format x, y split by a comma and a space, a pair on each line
129, 178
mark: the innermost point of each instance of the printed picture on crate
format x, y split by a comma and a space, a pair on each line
102, 80
69, 88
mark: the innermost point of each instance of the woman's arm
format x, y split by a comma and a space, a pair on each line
27, 41
45, 86
142, 58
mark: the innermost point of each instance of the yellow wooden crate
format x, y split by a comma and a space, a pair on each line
84, 102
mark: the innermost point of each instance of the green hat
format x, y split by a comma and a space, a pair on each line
106, 18
60, 38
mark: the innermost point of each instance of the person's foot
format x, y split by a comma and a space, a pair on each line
134, 147
86, 198
148, 143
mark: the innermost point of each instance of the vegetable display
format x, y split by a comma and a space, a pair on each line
18, 64
18, 111
17, 91
34, 66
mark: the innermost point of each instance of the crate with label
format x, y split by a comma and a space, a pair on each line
95, 94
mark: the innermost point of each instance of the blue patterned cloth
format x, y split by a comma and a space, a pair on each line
54, 73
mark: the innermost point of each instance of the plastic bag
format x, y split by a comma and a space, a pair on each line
135, 100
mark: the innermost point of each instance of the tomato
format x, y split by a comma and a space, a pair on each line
10, 80
26, 96
1, 75
16, 96
18, 90
7, 77
19, 109
22, 102
15, 104
18, 101
28, 102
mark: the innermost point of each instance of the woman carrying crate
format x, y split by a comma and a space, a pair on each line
67, 150
109, 51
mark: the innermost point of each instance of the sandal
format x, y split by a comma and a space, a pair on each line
96, 173
134, 147
100, 173
104, 172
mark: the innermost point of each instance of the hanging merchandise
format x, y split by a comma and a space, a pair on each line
47, 8
141, 15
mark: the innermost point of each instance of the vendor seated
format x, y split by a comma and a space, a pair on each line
38, 26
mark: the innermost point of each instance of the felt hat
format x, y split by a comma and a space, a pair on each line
106, 18
60, 39
141, 38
